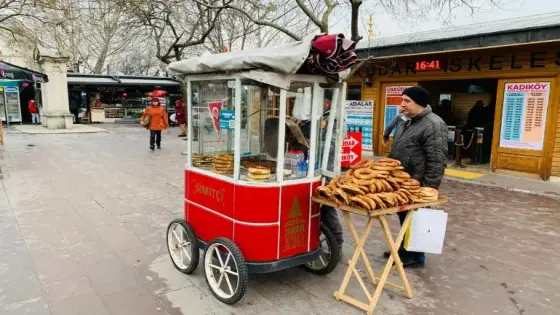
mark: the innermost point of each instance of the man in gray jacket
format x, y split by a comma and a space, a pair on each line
420, 143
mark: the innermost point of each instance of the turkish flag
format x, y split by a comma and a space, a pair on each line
214, 109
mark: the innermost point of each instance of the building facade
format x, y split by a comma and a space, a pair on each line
510, 69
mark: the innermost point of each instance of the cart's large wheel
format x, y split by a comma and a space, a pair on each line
329, 253
182, 246
225, 270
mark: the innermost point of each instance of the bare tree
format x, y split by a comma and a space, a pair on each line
13, 12
89, 32
177, 27
140, 61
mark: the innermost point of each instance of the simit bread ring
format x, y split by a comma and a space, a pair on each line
259, 177
388, 161
403, 197
224, 157
387, 186
324, 192
362, 182
400, 174
406, 192
259, 170
389, 200
363, 163
370, 202
223, 171
359, 202
379, 187
399, 168
348, 176
373, 188
351, 189
380, 203
402, 200
364, 173
394, 183
340, 196
411, 182
383, 168
364, 189
334, 183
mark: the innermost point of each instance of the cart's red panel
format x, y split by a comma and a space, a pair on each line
208, 224
210, 192
258, 243
266, 223
294, 219
256, 204
315, 207
314, 232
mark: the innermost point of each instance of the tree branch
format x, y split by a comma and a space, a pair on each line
312, 17
249, 16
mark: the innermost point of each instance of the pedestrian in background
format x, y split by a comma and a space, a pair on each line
392, 126
180, 117
34, 110
155, 119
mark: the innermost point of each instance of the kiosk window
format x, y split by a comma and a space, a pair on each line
212, 145
354, 92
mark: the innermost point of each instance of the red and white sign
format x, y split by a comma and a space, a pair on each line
351, 149
214, 108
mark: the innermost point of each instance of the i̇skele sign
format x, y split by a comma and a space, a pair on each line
485, 63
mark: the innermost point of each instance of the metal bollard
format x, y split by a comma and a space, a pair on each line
478, 158
451, 141
458, 146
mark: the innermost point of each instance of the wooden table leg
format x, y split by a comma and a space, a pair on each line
340, 294
356, 238
394, 246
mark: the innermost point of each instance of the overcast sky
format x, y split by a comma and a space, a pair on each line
386, 25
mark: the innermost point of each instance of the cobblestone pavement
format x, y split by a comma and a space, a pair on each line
83, 218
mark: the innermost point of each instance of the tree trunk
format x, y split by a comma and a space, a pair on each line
355, 19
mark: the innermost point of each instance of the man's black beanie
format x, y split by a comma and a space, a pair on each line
418, 94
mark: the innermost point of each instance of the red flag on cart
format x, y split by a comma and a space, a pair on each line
214, 109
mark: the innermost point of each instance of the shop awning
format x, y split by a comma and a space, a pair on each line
91, 79
10, 71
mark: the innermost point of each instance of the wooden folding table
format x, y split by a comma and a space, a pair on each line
380, 281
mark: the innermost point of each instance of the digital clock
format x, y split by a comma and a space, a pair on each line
427, 65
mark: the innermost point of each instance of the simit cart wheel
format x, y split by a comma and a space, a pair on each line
182, 246
329, 254
225, 270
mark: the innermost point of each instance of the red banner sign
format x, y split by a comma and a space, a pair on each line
351, 149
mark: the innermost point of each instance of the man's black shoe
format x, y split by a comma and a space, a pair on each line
412, 262
402, 252
159, 147
152, 148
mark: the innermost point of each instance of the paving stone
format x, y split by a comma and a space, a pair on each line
35, 306
67, 288
85, 304
102, 202
136, 301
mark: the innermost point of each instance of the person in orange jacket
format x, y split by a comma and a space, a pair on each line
158, 121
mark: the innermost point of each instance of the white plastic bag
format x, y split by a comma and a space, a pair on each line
426, 232
302, 105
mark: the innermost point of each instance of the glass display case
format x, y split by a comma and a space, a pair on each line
268, 120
